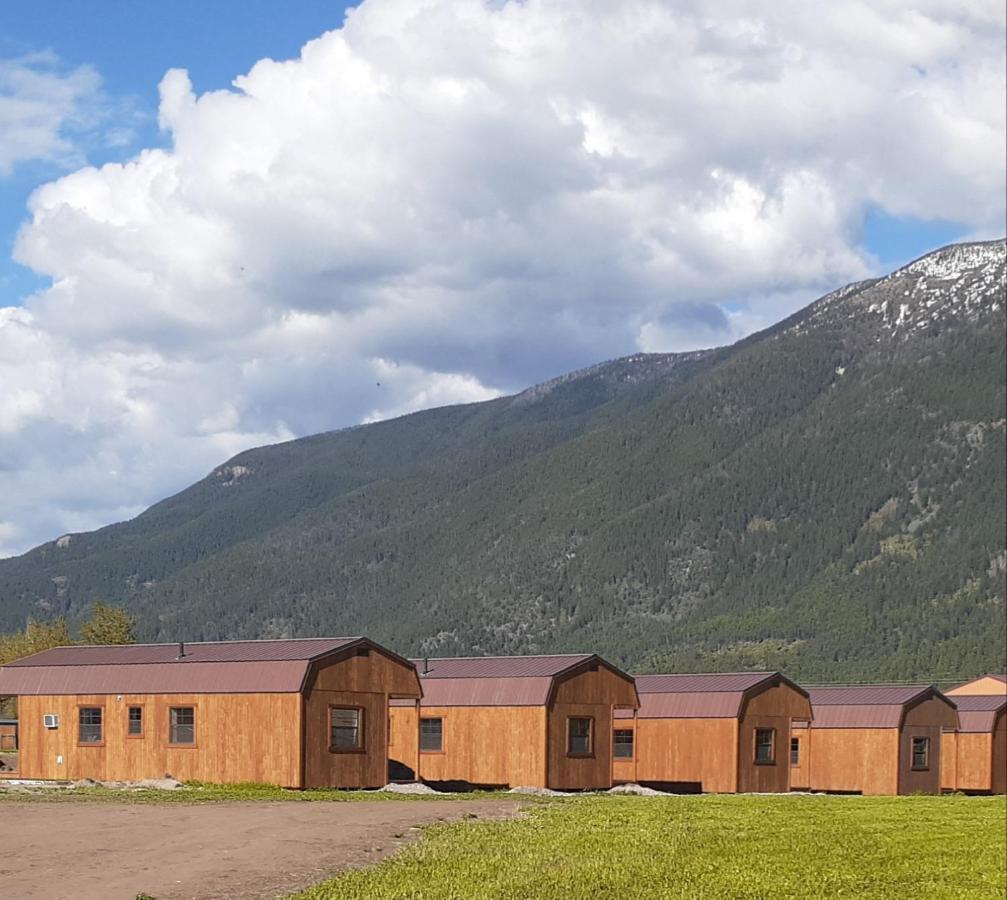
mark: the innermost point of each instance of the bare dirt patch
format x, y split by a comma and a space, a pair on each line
239, 851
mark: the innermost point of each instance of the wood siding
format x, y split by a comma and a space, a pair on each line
688, 752
975, 761
365, 682
800, 775
924, 720
589, 694
854, 759
239, 737
624, 770
774, 708
482, 745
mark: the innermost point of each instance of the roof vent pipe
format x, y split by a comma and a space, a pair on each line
181, 650
426, 665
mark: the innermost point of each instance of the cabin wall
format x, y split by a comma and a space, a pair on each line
700, 752
239, 737
999, 779
774, 708
854, 759
483, 745
363, 681
800, 775
949, 761
403, 743
973, 764
924, 720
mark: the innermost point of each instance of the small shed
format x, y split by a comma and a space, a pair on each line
986, 685
718, 733
296, 713
974, 757
511, 721
8, 734
877, 739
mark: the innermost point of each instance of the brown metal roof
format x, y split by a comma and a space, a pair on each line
867, 706
979, 713
201, 651
498, 680
498, 666
229, 667
704, 696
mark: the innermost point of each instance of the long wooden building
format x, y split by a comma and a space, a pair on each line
974, 757
528, 721
722, 733
877, 739
297, 713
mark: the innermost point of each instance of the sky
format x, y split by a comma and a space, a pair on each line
233, 223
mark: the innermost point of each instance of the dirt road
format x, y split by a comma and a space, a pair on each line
238, 851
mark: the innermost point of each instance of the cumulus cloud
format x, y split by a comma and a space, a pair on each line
447, 199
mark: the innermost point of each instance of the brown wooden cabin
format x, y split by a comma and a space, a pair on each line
520, 721
875, 739
296, 713
974, 758
720, 733
984, 685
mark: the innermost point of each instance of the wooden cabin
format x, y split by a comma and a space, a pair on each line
876, 739
517, 721
723, 733
296, 713
974, 757
985, 685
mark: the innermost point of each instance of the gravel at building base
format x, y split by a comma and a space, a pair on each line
412, 788
638, 789
538, 792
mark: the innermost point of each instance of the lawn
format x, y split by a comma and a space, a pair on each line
700, 847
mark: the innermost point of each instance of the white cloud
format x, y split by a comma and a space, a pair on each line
40, 103
446, 199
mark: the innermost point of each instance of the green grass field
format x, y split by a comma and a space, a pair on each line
701, 847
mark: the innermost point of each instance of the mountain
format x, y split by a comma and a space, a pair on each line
827, 496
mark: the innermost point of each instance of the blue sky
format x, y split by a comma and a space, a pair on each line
440, 201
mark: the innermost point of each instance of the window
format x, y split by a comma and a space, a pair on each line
921, 753
90, 725
579, 737
134, 726
795, 751
622, 743
432, 735
765, 746
346, 732
182, 725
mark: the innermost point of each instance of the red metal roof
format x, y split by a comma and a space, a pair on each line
978, 713
498, 680
200, 651
704, 696
228, 667
866, 706
498, 666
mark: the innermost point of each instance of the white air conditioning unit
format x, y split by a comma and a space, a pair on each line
50, 720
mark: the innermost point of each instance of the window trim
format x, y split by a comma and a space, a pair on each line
795, 750
419, 736
632, 744
361, 746
195, 724
104, 722
912, 753
772, 747
590, 753
143, 721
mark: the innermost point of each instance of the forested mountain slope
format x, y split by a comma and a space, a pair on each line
827, 496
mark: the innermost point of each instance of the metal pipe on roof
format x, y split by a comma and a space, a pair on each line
181, 650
